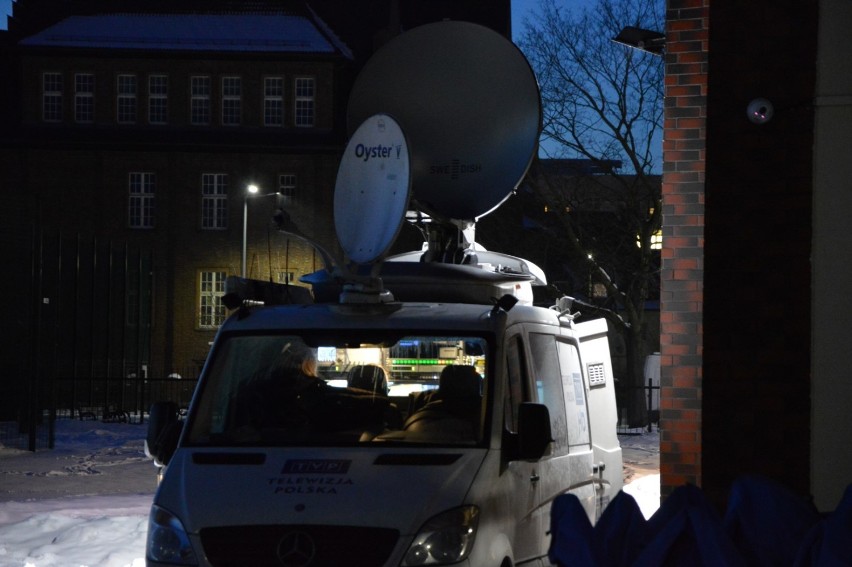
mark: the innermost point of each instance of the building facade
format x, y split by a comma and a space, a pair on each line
129, 135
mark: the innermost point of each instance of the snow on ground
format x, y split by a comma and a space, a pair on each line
86, 502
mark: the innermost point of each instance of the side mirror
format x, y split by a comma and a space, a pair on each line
164, 429
534, 433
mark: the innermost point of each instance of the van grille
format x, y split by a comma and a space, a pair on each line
297, 545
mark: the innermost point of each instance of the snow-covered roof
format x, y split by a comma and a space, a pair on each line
191, 32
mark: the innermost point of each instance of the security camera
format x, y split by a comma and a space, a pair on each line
760, 111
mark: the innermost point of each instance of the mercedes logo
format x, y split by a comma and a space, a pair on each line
296, 549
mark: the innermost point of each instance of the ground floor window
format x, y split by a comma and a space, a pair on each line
211, 288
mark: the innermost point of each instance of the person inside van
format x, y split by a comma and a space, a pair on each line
290, 396
454, 408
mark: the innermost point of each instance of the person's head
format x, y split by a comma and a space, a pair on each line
297, 356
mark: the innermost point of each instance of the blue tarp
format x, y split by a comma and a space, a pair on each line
764, 525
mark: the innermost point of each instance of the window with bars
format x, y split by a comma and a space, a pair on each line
214, 201
231, 101
287, 188
303, 103
273, 101
199, 100
211, 288
286, 277
158, 99
51, 97
126, 103
84, 98
141, 189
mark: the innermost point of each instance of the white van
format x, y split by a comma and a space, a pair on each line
469, 476
449, 411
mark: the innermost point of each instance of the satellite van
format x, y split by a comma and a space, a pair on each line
439, 412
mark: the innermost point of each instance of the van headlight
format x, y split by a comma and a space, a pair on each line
445, 538
168, 542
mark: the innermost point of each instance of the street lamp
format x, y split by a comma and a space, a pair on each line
651, 41
250, 190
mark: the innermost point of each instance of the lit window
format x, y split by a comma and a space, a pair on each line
200, 100
273, 101
287, 188
285, 277
214, 201
84, 98
51, 97
656, 241
141, 200
211, 310
158, 99
126, 103
304, 102
231, 100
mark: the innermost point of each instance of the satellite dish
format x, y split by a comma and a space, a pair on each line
469, 104
372, 189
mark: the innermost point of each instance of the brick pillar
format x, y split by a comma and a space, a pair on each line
682, 287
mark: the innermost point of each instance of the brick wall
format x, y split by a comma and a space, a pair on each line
735, 298
682, 287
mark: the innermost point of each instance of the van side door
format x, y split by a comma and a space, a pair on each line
520, 478
558, 384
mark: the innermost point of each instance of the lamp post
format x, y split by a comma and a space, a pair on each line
250, 190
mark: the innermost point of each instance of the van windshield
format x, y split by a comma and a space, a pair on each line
279, 390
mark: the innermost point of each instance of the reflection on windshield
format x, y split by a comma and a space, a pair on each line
291, 390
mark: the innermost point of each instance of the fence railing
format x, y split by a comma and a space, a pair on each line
124, 400
116, 399
652, 414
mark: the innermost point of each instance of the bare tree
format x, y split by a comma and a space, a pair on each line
603, 101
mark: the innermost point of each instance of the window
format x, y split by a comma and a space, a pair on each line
141, 200
214, 201
287, 188
51, 97
126, 103
231, 100
304, 102
211, 310
575, 394
548, 387
515, 368
158, 99
248, 398
84, 98
273, 101
200, 100
286, 277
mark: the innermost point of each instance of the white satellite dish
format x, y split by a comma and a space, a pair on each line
469, 104
372, 189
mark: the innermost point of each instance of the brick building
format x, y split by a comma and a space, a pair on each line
129, 133
755, 309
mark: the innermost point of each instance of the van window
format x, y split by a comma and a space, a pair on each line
268, 390
548, 387
515, 393
575, 394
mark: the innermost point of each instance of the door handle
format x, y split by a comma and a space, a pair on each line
534, 478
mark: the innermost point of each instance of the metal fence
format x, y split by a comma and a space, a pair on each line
120, 400
652, 414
